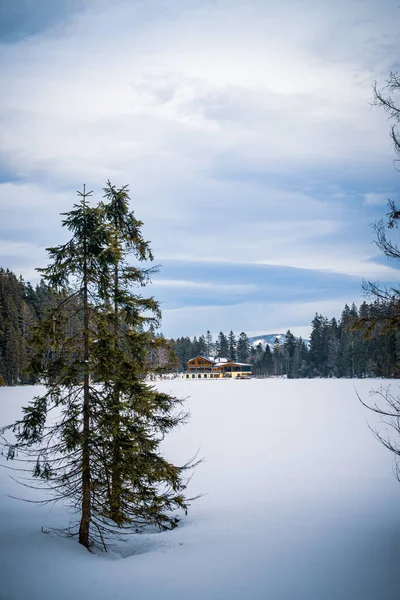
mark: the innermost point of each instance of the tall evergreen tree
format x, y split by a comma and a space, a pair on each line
102, 454
125, 239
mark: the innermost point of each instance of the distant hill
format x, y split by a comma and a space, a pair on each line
268, 338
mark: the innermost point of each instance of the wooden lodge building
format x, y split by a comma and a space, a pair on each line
206, 367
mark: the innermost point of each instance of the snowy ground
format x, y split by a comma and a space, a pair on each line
300, 503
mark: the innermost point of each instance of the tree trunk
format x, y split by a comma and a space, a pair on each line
116, 475
84, 528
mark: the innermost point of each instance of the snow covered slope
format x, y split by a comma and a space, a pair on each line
267, 338
300, 503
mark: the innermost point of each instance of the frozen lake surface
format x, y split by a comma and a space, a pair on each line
299, 503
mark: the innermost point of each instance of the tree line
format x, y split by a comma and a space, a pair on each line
337, 347
21, 308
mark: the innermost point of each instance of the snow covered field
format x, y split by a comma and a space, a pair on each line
300, 503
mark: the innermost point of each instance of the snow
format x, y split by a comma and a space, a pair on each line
267, 339
299, 503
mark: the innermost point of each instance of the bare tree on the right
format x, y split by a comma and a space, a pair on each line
386, 403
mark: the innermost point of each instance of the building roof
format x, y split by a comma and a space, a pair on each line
208, 358
233, 363
218, 362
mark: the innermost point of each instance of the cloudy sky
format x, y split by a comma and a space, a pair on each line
244, 129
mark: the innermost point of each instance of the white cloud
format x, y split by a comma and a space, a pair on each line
18, 249
336, 260
247, 81
244, 129
253, 318
204, 285
24, 256
378, 198
23, 196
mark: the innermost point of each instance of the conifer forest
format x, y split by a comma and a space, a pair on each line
336, 348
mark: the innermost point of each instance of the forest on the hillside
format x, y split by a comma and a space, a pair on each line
336, 348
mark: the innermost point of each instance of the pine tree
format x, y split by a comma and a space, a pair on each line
243, 348
202, 345
231, 346
195, 346
209, 342
268, 361
125, 236
289, 346
319, 346
182, 347
102, 454
222, 347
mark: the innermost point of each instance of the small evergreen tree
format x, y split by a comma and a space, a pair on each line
209, 342
195, 347
277, 357
319, 347
222, 347
268, 361
231, 346
289, 346
243, 348
182, 347
202, 345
